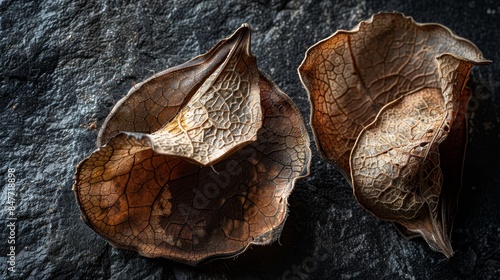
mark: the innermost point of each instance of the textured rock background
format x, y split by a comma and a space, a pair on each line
65, 63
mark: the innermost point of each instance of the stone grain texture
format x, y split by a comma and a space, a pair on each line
65, 63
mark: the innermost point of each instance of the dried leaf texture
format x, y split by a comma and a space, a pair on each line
172, 207
388, 107
452, 154
223, 114
351, 75
153, 103
395, 165
218, 97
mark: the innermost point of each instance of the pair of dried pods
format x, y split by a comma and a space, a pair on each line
197, 162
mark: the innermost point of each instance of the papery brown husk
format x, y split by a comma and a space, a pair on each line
352, 75
172, 206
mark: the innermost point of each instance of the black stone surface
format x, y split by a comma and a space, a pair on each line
65, 63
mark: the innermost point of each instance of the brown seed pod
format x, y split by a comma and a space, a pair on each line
385, 96
212, 151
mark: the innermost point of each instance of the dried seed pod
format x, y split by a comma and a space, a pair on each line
392, 159
205, 168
